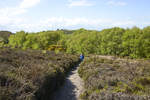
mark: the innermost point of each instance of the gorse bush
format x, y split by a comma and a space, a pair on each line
112, 78
32, 74
134, 42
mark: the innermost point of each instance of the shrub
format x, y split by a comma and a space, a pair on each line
118, 79
32, 74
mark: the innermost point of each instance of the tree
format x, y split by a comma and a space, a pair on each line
131, 42
18, 39
145, 43
49, 38
111, 43
32, 42
86, 42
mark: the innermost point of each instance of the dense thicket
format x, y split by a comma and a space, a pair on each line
41, 40
134, 42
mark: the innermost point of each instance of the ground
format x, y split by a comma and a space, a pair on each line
72, 88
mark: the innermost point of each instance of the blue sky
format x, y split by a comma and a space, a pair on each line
40, 15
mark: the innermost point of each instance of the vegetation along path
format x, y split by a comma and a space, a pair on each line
72, 87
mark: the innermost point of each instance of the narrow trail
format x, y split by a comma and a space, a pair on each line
71, 88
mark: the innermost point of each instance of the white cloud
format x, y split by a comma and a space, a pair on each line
9, 16
53, 23
11, 11
19, 9
116, 3
29, 3
73, 3
73, 22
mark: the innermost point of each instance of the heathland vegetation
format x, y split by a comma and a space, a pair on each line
32, 66
32, 75
113, 78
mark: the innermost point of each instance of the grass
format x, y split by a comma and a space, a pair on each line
32, 74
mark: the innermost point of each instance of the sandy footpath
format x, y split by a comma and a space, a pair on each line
72, 87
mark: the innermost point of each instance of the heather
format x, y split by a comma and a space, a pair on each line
32, 74
114, 78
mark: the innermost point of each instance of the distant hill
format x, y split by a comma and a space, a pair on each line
66, 31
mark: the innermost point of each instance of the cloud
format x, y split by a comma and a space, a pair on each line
82, 21
61, 22
74, 3
29, 3
19, 9
116, 3
9, 16
11, 11
54, 23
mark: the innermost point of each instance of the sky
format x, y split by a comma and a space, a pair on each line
41, 15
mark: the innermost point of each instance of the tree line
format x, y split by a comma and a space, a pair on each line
132, 42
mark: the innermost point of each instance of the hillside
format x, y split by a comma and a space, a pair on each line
32, 75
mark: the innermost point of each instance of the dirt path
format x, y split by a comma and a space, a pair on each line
72, 87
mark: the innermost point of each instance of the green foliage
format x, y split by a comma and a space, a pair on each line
145, 42
134, 42
1, 42
83, 41
48, 38
41, 40
111, 43
17, 40
131, 42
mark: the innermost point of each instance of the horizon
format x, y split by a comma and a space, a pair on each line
74, 29
43, 15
